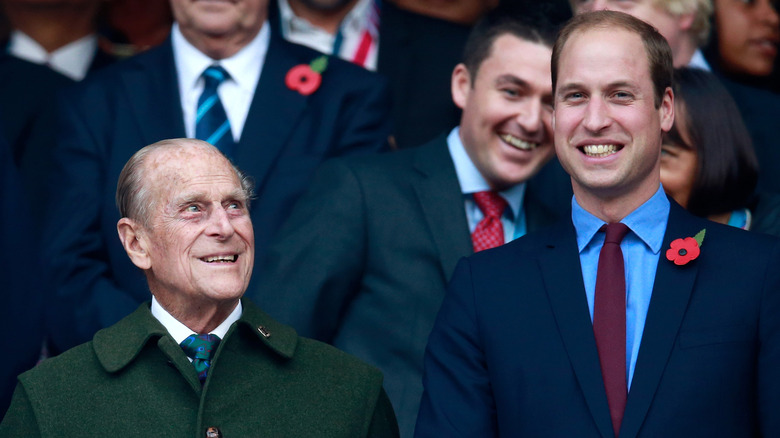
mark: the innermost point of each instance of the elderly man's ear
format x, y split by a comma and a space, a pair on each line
134, 240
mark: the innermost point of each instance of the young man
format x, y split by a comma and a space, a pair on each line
568, 332
364, 259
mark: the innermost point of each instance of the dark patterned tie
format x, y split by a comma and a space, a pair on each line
609, 320
211, 122
489, 232
201, 349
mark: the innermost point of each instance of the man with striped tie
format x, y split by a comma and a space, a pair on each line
185, 223
275, 108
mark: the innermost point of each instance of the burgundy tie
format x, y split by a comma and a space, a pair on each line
609, 321
489, 232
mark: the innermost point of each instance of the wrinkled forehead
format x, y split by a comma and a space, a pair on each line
171, 171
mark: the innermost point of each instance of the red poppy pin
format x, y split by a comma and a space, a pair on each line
684, 250
306, 78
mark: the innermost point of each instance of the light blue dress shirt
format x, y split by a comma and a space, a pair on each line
471, 181
641, 250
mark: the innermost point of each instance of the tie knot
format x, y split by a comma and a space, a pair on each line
491, 203
214, 75
615, 232
200, 347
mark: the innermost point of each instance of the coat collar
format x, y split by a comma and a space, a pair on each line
118, 345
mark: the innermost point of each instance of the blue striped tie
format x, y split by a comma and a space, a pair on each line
211, 122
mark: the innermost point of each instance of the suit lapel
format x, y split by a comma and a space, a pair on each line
439, 194
671, 293
151, 85
560, 266
274, 111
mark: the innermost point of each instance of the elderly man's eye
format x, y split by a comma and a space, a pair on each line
192, 209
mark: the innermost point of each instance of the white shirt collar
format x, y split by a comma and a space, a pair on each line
472, 181
72, 60
180, 332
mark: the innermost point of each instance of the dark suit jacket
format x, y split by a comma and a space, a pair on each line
133, 378
22, 292
27, 92
513, 352
135, 103
364, 260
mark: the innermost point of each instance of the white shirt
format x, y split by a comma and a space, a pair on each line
235, 93
471, 181
72, 60
179, 332
354, 24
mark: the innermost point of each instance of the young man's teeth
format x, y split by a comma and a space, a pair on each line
518, 143
599, 150
220, 259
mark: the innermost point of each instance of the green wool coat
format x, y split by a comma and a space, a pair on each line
133, 379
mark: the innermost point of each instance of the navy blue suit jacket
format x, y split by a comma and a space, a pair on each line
512, 352
133, 103
22, 292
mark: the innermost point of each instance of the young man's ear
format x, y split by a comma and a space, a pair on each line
133, 237
460, 85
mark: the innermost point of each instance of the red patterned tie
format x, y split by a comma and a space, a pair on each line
489, 232
609, 320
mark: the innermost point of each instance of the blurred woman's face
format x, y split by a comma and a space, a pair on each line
678, 163
748, 35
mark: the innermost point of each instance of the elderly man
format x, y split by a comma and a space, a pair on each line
364, 260
185, 223
631, 318
276, 109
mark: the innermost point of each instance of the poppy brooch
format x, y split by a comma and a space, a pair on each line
683, 250
306, 78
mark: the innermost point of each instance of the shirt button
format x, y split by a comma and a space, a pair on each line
213, 432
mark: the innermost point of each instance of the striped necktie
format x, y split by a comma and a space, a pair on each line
211, 122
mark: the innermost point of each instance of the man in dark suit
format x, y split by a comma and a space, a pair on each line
672, 332
363, 261
278, 133
185, 223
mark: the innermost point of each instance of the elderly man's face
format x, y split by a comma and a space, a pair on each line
505, 126
200, 237
607, 129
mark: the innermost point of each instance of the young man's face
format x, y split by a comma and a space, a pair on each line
607, 128
505, 126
